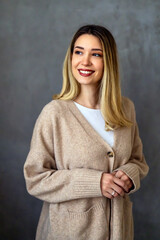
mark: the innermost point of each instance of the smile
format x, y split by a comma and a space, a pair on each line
85, 73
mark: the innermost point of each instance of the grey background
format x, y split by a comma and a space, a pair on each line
34, 36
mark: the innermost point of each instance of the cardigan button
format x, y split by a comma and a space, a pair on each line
110, 154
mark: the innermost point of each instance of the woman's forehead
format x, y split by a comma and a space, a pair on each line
88, 41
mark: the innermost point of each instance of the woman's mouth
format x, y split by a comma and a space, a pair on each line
85, 72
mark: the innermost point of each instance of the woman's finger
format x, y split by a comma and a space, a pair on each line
124, 177
120, 183
119, 174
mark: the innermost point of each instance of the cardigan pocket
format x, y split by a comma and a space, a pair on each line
127, 220
91, 224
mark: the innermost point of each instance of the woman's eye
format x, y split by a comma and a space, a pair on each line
78, 52
97, 55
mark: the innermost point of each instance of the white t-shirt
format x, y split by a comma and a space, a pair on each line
95, 118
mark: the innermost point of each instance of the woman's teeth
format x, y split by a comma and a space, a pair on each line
86, 72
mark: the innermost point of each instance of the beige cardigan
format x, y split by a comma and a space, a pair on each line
64, 168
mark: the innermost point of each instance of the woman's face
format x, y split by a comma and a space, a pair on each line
87, 60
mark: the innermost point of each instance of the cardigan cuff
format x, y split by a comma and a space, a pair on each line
132, 172
87, 184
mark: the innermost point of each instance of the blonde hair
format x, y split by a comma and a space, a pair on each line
109, 90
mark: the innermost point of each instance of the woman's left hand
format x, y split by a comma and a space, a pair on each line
121, 175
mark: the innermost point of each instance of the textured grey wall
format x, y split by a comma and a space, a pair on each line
34, 36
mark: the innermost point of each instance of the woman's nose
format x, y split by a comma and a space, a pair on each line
86, 60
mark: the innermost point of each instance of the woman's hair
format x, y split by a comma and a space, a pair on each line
109, 93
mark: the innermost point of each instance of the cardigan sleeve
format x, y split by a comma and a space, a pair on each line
44, 180
136, 167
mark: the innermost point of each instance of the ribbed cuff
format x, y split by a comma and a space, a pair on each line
87, 184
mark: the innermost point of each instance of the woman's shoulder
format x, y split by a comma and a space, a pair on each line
53, 110
57, 104
55, 107
127, 103
128, 107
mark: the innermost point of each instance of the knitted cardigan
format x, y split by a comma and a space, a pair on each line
64, 168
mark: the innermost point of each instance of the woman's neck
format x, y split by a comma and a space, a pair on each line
88, 97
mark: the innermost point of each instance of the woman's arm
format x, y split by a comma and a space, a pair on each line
136, 168
43, 180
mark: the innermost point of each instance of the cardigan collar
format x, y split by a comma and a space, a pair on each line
118, 133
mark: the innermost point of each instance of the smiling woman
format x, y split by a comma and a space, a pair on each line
86, 155
87, 60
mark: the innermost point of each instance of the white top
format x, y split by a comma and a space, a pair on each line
95, 118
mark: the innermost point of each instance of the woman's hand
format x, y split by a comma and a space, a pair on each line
112, 186
115, 184
127, 181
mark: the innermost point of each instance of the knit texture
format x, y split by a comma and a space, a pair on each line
64, 168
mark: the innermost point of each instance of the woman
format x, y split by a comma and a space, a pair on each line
86, 155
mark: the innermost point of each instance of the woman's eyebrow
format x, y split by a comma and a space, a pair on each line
96, 49
79, 47
93, 49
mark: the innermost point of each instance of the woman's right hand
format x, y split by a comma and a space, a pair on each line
112, 186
